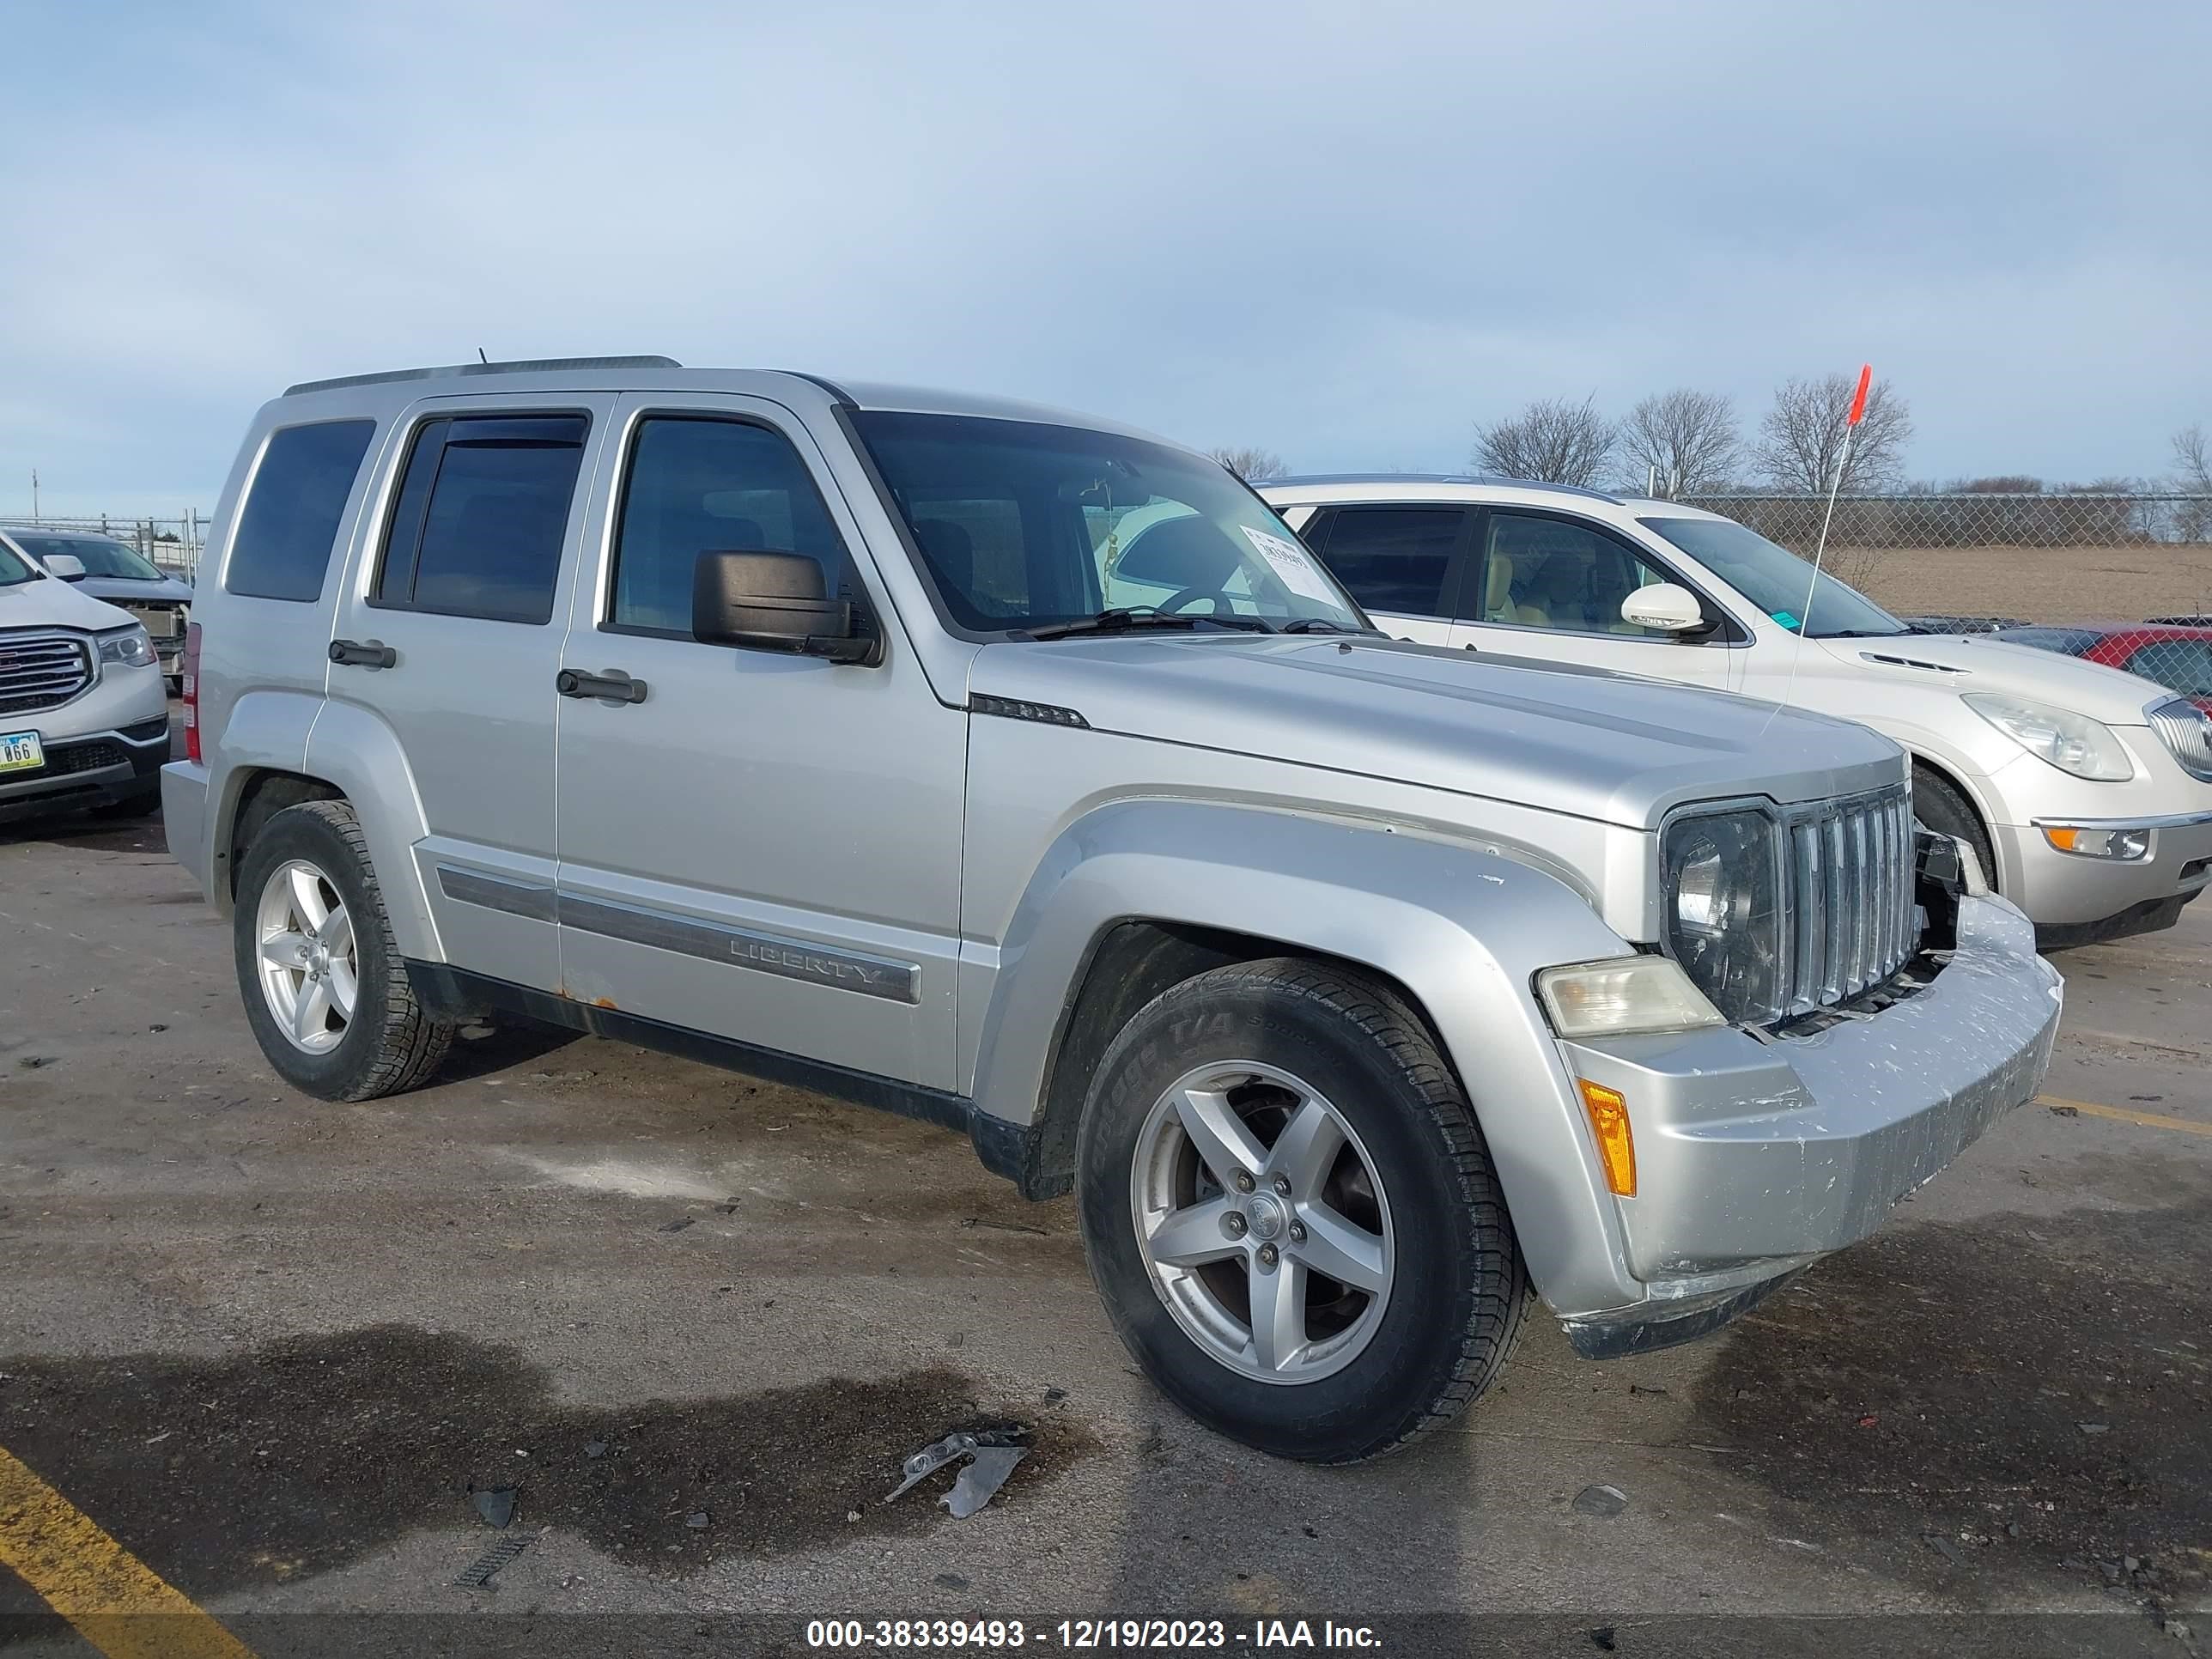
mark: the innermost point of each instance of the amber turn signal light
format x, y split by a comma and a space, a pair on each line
1616, 1145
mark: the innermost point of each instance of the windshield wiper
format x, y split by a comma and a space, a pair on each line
1124, 619
1320, 625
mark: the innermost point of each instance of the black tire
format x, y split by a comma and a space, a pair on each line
393, 1043
143, 804
1937, 805
1457, 1297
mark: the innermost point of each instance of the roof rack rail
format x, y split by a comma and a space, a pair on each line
1439, 478
523, 366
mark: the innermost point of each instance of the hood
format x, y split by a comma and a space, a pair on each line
1599, 745
1975, 662
53, 602
125, 590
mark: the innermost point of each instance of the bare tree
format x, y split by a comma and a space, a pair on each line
1249, 463
2192, 475
1801, 439
1688, 438
1551, 441
2192, 460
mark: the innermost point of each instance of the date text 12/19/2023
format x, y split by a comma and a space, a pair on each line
1125, 1635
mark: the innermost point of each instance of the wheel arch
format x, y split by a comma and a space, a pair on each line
1133, 960
1141, 895
1958, 780
340, 751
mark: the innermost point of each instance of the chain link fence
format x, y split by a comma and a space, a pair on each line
173, 543
1974, 519
2057, 557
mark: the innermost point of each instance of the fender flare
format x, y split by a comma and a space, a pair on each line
1462, 930
265, 731
359, 753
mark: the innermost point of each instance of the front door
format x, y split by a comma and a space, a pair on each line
1549, 586
448, 638
761, 845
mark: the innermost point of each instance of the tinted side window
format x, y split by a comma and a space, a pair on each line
281, 546
1395, 558
482, 517
701, 485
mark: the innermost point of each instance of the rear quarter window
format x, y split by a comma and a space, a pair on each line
281, 549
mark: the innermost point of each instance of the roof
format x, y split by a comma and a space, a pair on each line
657, 373
33, 527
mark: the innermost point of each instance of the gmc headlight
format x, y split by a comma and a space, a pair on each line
2072, 743
128, 646
1721, 889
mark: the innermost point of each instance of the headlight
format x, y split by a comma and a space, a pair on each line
2072, 743
128, 646
1723, 910
1621, 996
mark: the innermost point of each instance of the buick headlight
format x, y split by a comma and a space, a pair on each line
1723, 910
128, 646
2072, 743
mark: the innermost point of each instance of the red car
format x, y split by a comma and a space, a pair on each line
2176, 656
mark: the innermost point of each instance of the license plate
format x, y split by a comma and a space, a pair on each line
19, 751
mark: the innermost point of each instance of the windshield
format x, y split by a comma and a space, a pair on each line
1778, 582
1023, 526
101, 558
13, 569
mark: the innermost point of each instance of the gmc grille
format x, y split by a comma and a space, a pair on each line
1848, 912
42, 671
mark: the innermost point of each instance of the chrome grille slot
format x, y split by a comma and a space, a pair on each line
41, 670
1847, 870
2186, 734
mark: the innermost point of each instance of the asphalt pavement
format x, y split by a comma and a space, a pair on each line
274, 1350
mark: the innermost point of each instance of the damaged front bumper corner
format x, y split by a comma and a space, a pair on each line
1754, 1159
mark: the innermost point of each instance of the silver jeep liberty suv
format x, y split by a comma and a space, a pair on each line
1023, 773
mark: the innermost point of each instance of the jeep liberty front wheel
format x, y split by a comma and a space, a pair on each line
326, 988
1291, 1215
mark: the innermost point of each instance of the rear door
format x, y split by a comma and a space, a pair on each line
1549, 586
1404, 564
449, 635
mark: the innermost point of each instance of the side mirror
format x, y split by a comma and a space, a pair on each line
772, 602
67, 566
1667, 606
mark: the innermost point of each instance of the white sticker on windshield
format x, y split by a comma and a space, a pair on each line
1293, 564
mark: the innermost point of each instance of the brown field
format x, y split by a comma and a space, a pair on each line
2035, 584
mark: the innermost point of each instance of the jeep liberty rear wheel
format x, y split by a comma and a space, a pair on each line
326, 988
1291, 1215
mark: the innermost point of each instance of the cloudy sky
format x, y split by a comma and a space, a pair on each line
1347, 233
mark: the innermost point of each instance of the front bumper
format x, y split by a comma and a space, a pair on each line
2077, 901
1754, 1159
87, 769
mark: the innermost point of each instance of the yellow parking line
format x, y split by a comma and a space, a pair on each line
2128, 1115
116, 1601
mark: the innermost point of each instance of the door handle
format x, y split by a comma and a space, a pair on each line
613, 686
363, 653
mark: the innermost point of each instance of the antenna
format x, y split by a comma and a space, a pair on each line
1820, 547
480, 355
